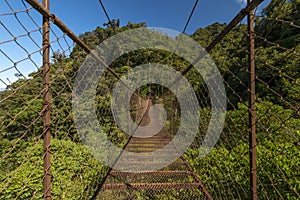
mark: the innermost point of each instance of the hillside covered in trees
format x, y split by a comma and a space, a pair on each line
225, 171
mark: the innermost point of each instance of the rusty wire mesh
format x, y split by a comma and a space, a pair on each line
225, 172
175, 181
21, 128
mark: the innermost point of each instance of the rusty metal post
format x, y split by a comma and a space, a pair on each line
46, 103
128, 106
252, 117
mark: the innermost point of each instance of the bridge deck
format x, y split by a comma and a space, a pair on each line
174, 181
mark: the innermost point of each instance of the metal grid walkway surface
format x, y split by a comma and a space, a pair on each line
175, 181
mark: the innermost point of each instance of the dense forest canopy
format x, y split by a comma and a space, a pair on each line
277, 49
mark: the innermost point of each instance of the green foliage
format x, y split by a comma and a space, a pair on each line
226, 172
75, 173
205, 35
223, 168
274, 123
279, 32
280, 71
21, 107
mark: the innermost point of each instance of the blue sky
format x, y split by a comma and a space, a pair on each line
85, 15
170, 14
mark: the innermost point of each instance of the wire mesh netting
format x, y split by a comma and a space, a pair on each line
277, 109
222, 174
22, 170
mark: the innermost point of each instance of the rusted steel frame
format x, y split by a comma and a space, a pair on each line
201, 185
227, 29
153, 163
147, 150
203, 188
46, 13
151, 186
158, 137
149, 156
46, 103
110, 170
149, 147
152, 173
152, 143
154, 140
252, 97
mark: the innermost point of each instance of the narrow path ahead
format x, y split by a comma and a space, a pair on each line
175, 181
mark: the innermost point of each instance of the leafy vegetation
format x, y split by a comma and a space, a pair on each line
22, 170
277, 162
226, 170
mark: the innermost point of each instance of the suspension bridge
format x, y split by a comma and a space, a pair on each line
43, 155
